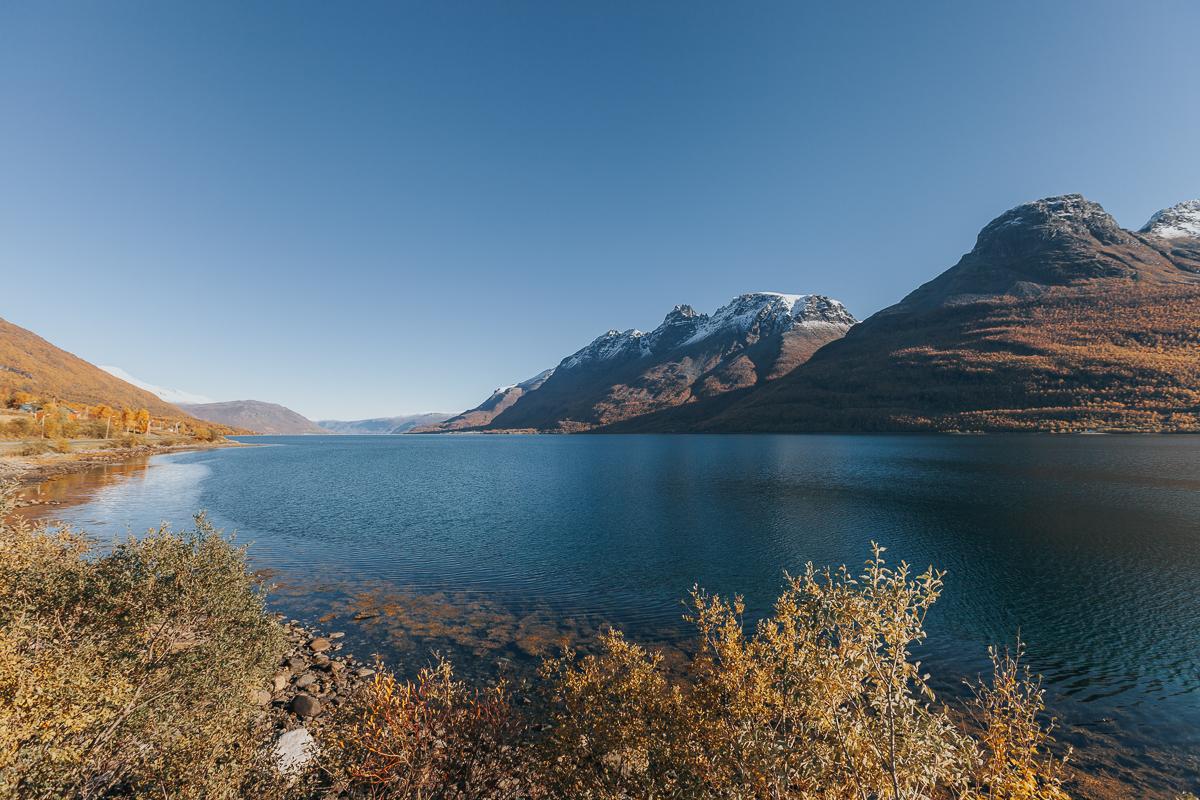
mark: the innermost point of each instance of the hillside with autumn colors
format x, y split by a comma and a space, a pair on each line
46, 392
29, 363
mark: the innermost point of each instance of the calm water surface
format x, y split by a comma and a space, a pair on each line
498, 546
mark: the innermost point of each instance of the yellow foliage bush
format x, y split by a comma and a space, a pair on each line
128, 673
822, 700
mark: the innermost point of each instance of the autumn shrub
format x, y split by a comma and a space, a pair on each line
35, 447
18, 428
127, 673
822, 699
432, 737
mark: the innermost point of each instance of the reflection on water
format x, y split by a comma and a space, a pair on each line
493, 548
75, 487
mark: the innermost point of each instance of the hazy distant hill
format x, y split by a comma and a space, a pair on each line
1058, 319
29, 363
254, 415
173, 396
381, 425
751, 340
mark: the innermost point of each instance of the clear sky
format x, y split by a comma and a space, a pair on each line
361, 209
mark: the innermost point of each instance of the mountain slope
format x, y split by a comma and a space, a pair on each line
254, 415
691, 356
497, 403
381, 425
28, 363
1058, 319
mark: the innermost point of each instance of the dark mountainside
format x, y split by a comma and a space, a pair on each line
500, 400
753, 339
1058, 319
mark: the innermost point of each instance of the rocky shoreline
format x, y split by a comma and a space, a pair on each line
312, 681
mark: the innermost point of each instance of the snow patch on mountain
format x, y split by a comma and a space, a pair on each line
608, 346
163, 392
538, 379
1177, 222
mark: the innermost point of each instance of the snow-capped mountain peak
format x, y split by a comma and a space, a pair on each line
772, 312
610, 345
1177, 222
763, 313
163, 392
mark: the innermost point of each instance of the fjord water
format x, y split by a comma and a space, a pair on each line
495, 546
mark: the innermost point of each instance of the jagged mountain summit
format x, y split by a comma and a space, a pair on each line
622, 374
1058, 319
1177, 222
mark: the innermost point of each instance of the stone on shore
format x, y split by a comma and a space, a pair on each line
305, 706
294, 749
319, 645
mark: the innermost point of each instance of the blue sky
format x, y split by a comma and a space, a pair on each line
365, 209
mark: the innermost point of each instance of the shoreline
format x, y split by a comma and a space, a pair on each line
28, 471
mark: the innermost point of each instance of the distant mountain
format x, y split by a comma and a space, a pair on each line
382, 425
170, 395
29, 363
254, 415
1058, 319
500, 400
691, 356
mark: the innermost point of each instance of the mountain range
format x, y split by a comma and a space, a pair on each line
1058, 319
690, 357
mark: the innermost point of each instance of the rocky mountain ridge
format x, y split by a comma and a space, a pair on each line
621, 374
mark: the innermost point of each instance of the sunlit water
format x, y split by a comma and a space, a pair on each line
497, 547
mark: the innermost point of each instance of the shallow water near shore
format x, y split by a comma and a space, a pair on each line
498, 548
